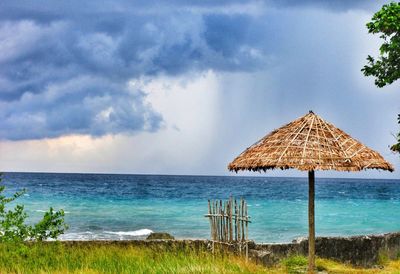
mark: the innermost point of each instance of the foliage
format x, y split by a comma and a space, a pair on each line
396, 147
14, 229
386, 68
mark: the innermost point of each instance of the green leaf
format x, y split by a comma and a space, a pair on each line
13, 227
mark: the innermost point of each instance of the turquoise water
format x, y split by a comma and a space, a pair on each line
129, 206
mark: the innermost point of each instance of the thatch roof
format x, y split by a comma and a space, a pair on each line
309, 143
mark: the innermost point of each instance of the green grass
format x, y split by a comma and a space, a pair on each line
124, 257
298, 264
56, 257
295, 264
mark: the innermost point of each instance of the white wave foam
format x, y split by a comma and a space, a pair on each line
140, 232
73, 236
104, 235
40, 210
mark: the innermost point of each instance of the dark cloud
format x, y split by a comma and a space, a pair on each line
83, 106
65, 66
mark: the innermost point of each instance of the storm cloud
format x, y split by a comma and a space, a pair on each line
65, 67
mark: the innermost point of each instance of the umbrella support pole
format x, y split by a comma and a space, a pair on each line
311, 222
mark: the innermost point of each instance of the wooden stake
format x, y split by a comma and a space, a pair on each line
230, 220
238, 218
221, 221
247, 232
209, 213
236, 225
242, 217
212, 219
226, 222
247, 222
216, 219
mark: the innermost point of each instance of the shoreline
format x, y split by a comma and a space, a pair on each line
294, 240
360, 251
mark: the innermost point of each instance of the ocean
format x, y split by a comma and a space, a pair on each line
122, 207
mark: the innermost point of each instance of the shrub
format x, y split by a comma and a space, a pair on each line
13, 227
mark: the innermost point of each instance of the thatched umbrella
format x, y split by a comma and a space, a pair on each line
309, 143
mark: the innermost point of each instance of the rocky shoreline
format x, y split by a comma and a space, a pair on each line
362, 251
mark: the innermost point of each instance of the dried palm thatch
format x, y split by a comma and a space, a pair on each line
309, 143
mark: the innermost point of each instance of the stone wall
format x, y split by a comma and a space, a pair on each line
357, 250
362, 251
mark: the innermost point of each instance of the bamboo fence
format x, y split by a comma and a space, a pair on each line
229, 221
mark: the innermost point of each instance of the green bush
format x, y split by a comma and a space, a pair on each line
13, 227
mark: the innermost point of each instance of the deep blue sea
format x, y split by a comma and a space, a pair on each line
101, 206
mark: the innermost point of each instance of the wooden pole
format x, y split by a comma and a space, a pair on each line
230, 220
236, 222
242, 215
226, 222
221, 221
210, 217
247, 232
311, 222
224, 218
216, 221
239, 222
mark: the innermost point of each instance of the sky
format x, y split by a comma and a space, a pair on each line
182, 87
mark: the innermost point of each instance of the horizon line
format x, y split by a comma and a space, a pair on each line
191, 175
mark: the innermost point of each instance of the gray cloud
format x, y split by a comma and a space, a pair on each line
77, 106
62, 67
64, 64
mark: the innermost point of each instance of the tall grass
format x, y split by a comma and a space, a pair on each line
298, 264
125, 257
56, 257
